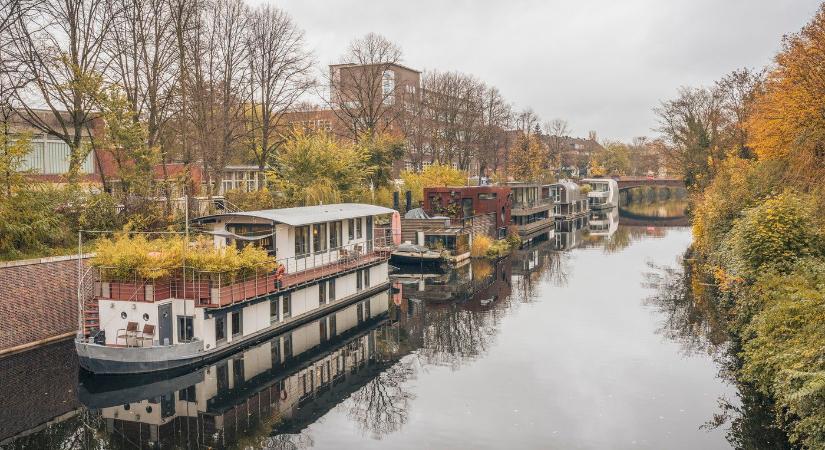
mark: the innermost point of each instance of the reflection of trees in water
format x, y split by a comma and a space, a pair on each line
454, 335
692, 318
76, 433
382, 405
548, 267
288, 442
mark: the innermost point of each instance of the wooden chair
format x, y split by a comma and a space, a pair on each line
148, 334
129, 332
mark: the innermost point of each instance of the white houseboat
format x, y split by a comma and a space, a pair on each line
569, 202
604, 193
328, 257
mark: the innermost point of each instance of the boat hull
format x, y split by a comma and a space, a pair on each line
111, 360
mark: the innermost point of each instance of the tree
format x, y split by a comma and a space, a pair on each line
432, 176
363, 97
315, 169
59, 47
787, 121
527, 158
381, 150
557, 132
496, 119
614, 159
279, 68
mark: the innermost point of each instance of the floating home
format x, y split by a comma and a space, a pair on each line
568, 200
328, 257
531, 211
604, 193
295, 376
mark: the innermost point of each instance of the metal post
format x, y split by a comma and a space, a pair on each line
80, 313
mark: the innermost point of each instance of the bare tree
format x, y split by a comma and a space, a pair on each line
496, 119
363, 91
557, 134
59, 45
279, 68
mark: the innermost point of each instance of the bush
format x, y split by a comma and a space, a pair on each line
126, 256
251, 201
481, 244
100, 213
31, 224
499, 249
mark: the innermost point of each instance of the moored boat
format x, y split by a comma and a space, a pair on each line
327, 257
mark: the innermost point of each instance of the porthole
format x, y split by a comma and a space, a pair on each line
148, 410
123, 315
126, 407
146, 317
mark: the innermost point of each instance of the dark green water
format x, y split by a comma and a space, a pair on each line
573, 348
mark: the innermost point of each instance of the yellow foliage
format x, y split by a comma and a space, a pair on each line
432, 176
527, 158
480, 246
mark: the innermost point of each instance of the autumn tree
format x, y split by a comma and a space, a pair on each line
527, 157
614, 159
557, 131
787, 121
431, 176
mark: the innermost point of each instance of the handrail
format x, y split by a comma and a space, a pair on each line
210, 288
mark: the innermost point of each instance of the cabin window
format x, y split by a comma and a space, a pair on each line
220, 328
351, 229
301, 241
366, 277
359, 283
273, 310
322, 293
332, 329
319, 237
237, 371
331, 290
223, 377
359, 228
186, 329
237, 322
189, 394
287, 347
322, 328
334, 234
275, 351
287, 306
487, 196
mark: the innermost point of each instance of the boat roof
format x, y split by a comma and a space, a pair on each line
305, 215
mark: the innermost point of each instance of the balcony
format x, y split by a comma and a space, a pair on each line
219, 289
531, 207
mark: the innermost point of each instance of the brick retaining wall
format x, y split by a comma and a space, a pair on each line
38, 300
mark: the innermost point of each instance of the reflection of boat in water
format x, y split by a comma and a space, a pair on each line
467, 282
295, 377
411, 254
604, 222
570, 233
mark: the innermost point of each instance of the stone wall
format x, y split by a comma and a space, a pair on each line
38, 301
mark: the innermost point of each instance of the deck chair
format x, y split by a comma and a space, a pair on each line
129, 332
148, 334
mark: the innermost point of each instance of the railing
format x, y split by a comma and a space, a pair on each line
217, 289
532, 203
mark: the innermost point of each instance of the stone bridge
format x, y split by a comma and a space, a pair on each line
633, 182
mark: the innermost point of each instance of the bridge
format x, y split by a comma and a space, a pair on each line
633, 182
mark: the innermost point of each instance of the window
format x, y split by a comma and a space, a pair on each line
185, 328
237, 322
301, 241
332, 329
220, 328
351, 229
273, 310
487, 196
331, 290
319, 237
358, 228
287, 306
366, 277
322, 293
287, 347
358, 281
189, 394
334, 234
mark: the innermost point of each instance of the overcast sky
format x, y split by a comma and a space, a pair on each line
600, 64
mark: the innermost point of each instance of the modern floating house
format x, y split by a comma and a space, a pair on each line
328, 257
603, 222
531, 210
604, 193
568, 200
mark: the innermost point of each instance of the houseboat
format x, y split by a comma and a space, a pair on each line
296, 377
327, 257
603, 222
531, 211
604, 193
568, 200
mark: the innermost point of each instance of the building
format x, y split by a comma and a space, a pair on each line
465, 202
531, 211
568, 200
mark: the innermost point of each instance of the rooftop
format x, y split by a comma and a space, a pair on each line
305, 215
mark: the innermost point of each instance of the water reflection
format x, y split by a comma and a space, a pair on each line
373, 366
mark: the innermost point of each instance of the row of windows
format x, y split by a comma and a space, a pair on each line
324, 236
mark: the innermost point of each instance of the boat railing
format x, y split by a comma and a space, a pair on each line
223, 288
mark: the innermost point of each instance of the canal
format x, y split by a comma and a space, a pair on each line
575, 342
